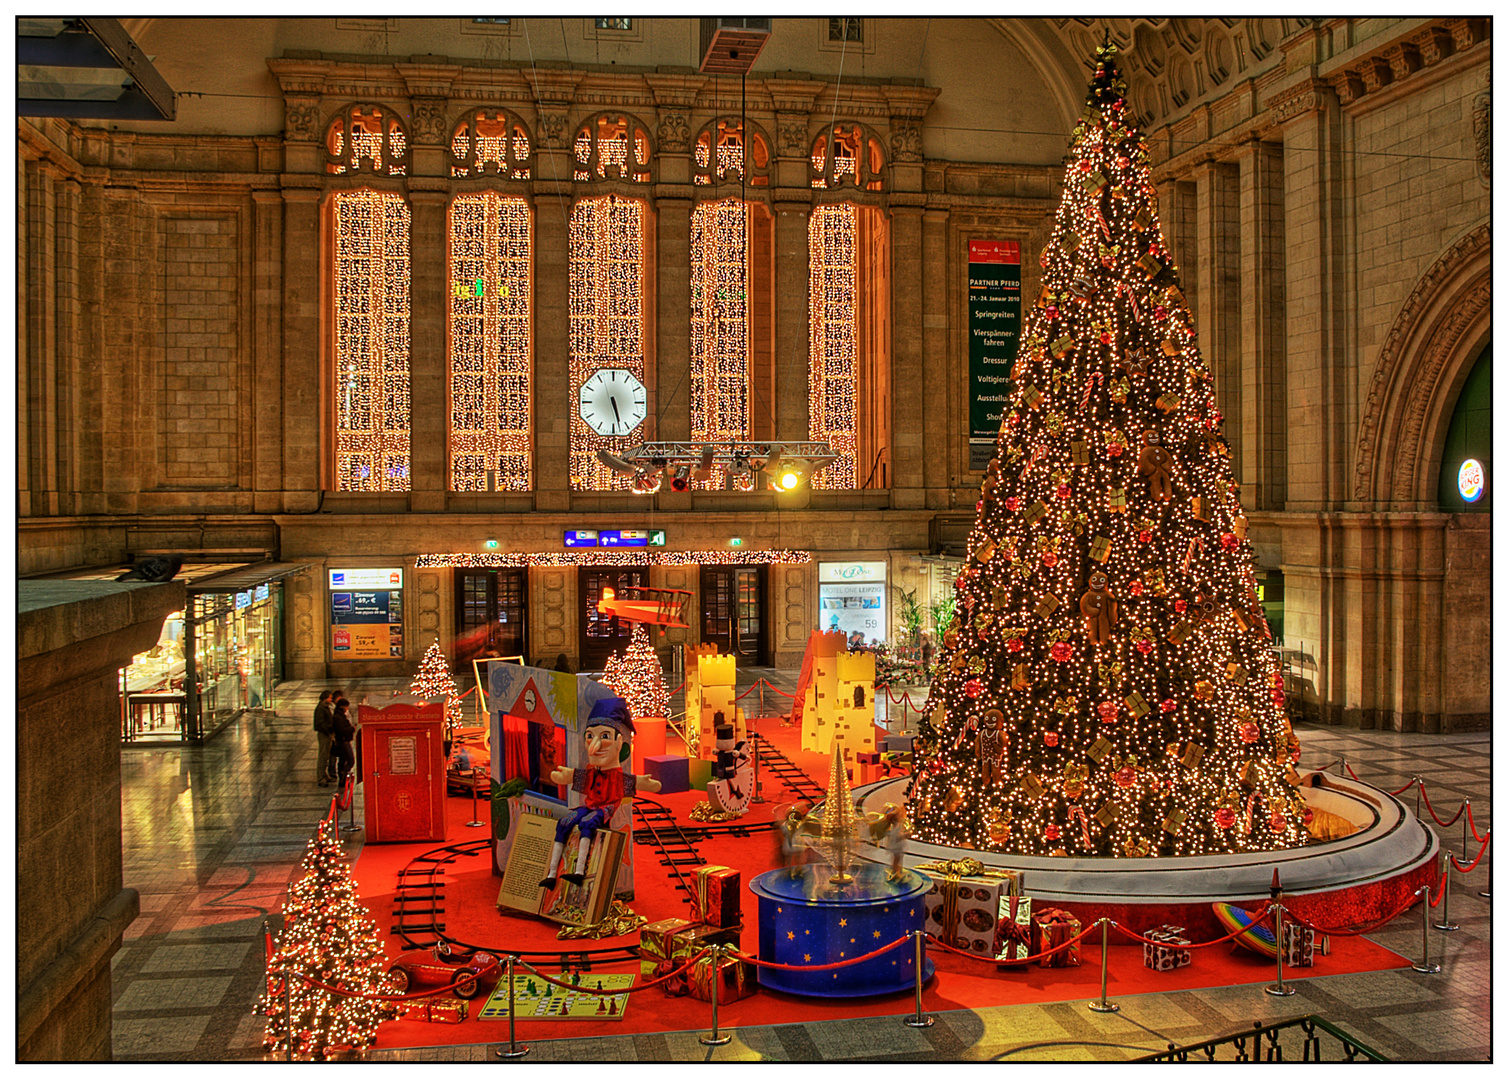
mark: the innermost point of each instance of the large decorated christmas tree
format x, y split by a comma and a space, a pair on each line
1105, 687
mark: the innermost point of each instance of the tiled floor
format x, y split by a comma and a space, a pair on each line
212, 834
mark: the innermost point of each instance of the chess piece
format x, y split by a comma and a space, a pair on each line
603, 784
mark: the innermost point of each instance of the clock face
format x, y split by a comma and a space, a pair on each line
613, 401
529, 701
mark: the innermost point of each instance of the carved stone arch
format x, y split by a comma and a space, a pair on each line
492, 141
612, 146
365, 137
863, 166
1427, 355
711, 168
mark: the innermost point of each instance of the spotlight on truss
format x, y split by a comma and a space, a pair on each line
741, 473
789, 475
647, 481
681, 478
704, 470
616, 463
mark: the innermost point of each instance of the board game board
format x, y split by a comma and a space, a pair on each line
536, 999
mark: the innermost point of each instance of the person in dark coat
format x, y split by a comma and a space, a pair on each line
345, 735
324, 714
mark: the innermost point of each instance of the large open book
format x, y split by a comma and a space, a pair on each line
529, 859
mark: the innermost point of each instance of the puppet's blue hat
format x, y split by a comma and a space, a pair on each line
613, 711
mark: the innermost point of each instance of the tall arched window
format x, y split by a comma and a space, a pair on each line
612, 147
492, 142
370, 279
848, 402
491, 256
718, 156
366, 139
856, 160
607, 324
732, 333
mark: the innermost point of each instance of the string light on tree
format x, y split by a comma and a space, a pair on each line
635, 676
491, 252
371, 331
434, 680
328, 936
607, 322
1104, 687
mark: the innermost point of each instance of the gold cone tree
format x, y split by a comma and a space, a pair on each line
1105, 687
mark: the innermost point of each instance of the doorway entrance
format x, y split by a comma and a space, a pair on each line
490, 607
603, 635
733, 612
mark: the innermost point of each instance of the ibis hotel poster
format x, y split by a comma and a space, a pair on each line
366, 614
995, 324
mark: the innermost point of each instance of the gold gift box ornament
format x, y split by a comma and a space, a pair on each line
1099, 749
1046, 606
1034, 513
1100, 548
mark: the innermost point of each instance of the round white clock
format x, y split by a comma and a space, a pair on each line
613, 401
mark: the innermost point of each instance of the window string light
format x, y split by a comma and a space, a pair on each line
490, 304
832, 234
491, 140
371, 336
604, 142
614, 557
607, 322
720, 361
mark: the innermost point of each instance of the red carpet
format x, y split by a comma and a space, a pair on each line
471, 915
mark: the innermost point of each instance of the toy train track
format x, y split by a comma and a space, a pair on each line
672, 845
420, 890
781, 767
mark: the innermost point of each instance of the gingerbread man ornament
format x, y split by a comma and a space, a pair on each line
1099, 608
1154, 462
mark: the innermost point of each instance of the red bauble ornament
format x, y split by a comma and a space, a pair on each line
1105, 335
1144, 647
1144, 536
1125, 776
1061, 651
1168, 705
1249, 733
979, 505
1051, 311
1309, 815
1012, 503
1226, 817
1135, 588
1114, 449
1050, 560
1180, 606
1062, 491
1014, 644
1278, 682
1050, 738
1085, 166
1107, 710
1276, 821
1229, 542
972, 688
1278, 697
1050, 832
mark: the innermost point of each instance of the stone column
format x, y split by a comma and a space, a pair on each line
1215, 273
267, 352
908, 394
935, 358
552, 353
670, 416
1263, 419
428, 417
39, 401
793, 333
304, 392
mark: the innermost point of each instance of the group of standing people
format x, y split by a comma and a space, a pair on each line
336, 732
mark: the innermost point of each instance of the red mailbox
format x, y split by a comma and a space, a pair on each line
403, 766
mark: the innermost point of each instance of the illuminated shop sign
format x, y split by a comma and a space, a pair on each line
1470, 480
367, 578
615, 538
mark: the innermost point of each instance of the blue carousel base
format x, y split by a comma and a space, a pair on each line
806, 921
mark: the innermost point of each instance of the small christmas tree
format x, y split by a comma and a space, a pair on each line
1105, 686
434, 680
330, 937
635, 676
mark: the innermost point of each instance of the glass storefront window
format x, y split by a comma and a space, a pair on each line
153, 698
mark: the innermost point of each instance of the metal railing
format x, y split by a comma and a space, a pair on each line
1264, 1042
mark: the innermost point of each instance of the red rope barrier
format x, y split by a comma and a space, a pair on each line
1481, 852
628, 990
676, 691
1193, 945
1444, 824
1353, 931
1440, 892
346, 793
752, 689
820, 967
1401, 791
1017, 959
343, 992
778, 690
1473, 826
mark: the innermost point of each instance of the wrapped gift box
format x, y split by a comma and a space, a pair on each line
1171, 951
736, 979
718, 895
439, 1011
1013, 939
964, 902
658, 942
1299, 945
1054, 927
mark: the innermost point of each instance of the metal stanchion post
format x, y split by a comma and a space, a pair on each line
513, 1049
1446, 924
1425, 966
1466, 805
1278, 989
1419, 787
1104, 1005
754, 742
713, 1038
762, 697
918, 1019
474, 823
